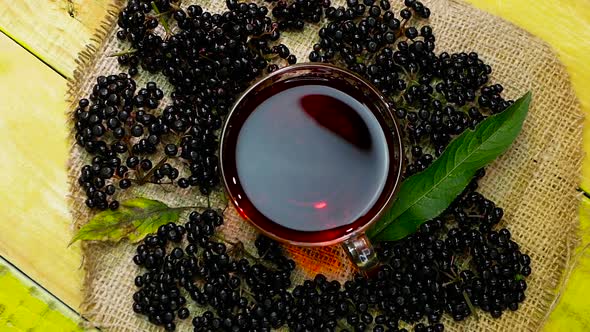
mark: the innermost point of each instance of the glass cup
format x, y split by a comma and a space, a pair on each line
353, 240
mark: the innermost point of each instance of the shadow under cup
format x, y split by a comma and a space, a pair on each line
311, 155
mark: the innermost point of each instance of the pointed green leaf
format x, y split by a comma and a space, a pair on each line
426, 195
134, 219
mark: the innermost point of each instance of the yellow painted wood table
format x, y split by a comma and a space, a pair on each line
40, 39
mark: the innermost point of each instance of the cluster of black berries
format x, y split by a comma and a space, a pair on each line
364, 30
191, 262
294, 15
435, 97
208, 58
120, 126
159, 296
454, 264
104, 122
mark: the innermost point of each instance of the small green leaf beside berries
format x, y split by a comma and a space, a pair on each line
134, 219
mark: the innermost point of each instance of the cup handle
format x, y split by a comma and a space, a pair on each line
361, 252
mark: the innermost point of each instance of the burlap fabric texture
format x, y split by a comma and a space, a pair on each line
535, 182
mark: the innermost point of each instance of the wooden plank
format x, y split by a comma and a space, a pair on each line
24, 305
35, 222
573, 311
53, 30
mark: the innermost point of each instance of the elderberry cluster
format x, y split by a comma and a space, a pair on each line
190, 261
294, 15
208, 58
103, 122
454, 264
435, 97
121, 127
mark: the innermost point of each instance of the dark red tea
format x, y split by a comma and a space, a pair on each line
310, 161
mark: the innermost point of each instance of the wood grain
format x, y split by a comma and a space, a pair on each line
24, 306
53, 30
573, 310
35, 229
35, 223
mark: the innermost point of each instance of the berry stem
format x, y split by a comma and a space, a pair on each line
144, 179
161, 19
174, 6
205, 57
225, 199
465, 263
160, 14
140, 182
245, 290
470, 305
343, 326
453, 278
240, 249
454, 281
222, 238
118, 54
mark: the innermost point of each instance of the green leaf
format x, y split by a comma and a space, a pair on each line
134, 219
426, 195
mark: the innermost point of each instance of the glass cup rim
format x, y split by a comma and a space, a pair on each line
395, 132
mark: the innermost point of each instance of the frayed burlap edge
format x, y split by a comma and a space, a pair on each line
85, 61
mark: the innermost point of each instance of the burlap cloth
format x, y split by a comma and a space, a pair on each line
535, 182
